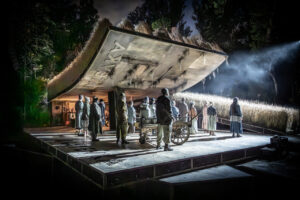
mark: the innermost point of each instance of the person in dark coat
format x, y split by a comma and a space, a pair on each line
164, 119
236, 117
102, 120
102, 107
86, 115
122, 120
95, 116
79, 110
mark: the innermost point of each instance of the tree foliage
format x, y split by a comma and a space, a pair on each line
161, 13
235, 24
46, 36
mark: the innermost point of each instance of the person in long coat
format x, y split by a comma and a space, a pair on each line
236, 117
164, 119
183, 110
175, 110
102, 107
131, 118
194, 118
95, 116
212, 119
145, 112
86, 115
152, 108
205, 117
78, 112
102, 120
122, 120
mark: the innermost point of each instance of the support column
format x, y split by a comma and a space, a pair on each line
112, 110
113, 97
51, 114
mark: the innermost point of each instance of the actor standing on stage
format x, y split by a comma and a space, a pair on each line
79, 110
212, 119
102, 120
205, 117
95, 116
164, 119
122, 120
131, 118
236, 117
183, 110
86, 115
152, 108
175, 110
194, 118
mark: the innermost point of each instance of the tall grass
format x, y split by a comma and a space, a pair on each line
256, 113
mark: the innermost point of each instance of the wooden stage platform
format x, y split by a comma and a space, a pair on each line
111, 165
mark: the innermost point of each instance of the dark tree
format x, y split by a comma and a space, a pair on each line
153, 10
250, 25
43, 38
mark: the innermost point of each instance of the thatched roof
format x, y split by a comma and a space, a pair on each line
137, 61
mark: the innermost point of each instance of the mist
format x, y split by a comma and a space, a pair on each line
250, 75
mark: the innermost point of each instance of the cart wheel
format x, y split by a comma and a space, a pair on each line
180, 134
142, 140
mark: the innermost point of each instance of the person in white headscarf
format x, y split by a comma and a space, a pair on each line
194, 118
131, 117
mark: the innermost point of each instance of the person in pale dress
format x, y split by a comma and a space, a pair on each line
205, 117
131, 118
194, 118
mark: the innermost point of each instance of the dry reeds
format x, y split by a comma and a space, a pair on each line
256, 113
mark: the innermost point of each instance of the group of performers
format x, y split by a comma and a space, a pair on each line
91, 117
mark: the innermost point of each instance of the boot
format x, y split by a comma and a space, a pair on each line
124, 141
232, 134
118, 139
167, 148
238, 135
158, 146
80, 133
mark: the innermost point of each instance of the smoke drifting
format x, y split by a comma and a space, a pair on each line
250, 75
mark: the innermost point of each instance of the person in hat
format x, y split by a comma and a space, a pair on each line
164, 119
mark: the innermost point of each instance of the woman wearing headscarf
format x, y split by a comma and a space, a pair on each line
236, 117
212, 119
194, 118
131, 117
205, 117
86, 115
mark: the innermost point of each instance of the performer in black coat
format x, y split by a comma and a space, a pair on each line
164, 119
95, 116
